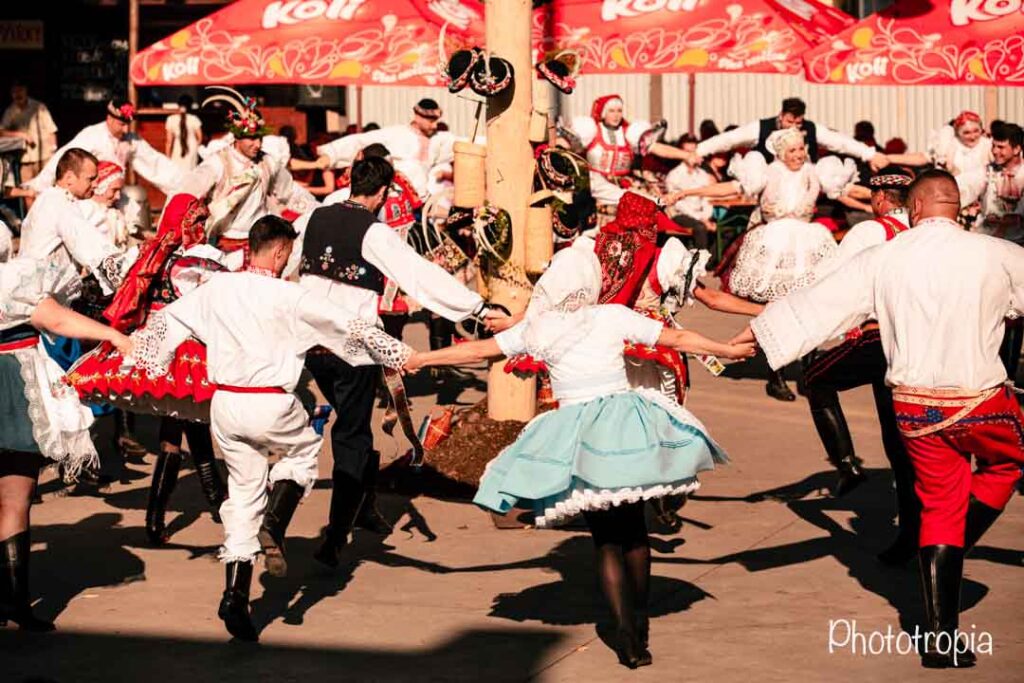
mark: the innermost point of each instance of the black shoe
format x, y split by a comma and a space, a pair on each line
979, 518
369, 517
284, 498
942, 568
14, 596
165, 477
631, 653
779, 390
346, 502
234, 606
902, 550
209, 478
850, 476
834, 433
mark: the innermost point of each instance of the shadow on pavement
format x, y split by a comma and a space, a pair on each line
64, 657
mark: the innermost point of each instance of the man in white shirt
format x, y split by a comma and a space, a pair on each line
347, 253
32, 120
112, 140
691, 212
257, 329
243, 181
940, 295
55, 228
859, 360
755, 135
415, 147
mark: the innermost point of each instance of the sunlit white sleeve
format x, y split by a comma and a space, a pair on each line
744, 136
798, 323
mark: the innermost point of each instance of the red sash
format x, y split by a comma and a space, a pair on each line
250, 390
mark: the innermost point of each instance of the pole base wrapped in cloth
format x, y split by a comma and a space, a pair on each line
623, 448
184, 392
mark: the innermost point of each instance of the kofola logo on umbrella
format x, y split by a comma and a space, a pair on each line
617, 9
963, 12
289, 12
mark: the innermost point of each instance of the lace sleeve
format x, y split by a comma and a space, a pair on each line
112, 270
154, 350
380, 346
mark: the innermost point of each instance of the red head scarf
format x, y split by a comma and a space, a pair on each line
597, 110
627, 248
964, 117
107, 173
182, 224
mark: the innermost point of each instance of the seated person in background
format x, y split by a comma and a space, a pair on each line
691, 212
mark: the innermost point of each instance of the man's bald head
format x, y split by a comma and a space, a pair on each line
934, 194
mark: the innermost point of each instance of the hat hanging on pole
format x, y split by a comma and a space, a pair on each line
245, 121
460, 68
491, 76
561, 69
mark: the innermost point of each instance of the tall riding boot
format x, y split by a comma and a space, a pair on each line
165, 477
234, 606
979, 518
369, 517
284, 498
777, 387
201, 446
942, 568
835, 436
346, 501
15, 604
904, 547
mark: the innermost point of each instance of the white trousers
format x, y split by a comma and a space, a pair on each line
247, 427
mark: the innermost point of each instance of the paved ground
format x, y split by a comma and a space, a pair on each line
746, 590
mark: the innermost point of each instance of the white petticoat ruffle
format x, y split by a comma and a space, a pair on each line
780, 257
583, 499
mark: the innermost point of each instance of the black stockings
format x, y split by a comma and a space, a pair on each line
623, 562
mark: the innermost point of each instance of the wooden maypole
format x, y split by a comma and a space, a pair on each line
509, 170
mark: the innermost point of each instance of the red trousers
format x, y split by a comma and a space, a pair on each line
993, 433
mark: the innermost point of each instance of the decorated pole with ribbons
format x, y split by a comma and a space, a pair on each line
509, 172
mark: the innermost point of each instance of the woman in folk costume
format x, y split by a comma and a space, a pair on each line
607, 448
246, 178
780, 252
172, 264
40, 418
612, 144
102, 208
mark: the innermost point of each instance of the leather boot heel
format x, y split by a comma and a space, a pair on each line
165, 477
15, 604
284, 498
234, 605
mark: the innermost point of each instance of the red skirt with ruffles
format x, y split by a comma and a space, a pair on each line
183, 392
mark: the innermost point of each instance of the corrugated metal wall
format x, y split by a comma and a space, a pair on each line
906, 112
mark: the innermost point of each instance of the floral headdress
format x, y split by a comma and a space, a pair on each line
125, 112
245, 121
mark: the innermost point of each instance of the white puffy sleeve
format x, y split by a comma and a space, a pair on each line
633, 132
355, 341
585, 128
342, 152
940, 149
200, 180
751, 171
155, 167
835, 175
795, 324
744, 136
511, 341
972, 185
844, 144
25, 282
633, 326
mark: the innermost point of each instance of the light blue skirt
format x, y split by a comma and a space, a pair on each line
616, 449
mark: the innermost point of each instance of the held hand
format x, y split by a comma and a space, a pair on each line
741, 351
879, 161
323, 162
413, 365
498, 321
744, 337
123, 344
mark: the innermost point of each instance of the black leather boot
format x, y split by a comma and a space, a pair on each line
165, 477
777, 387
942, 568
835, 436
346, 501
979, 518
284, 498
213, 485
234, 606
369, 516
15, 604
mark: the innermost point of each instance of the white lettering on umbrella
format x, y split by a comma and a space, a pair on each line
289, 12
963, 12
174, 70
860, 71
617, 9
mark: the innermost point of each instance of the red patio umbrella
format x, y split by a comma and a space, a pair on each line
324, 42
671, 36
918, 42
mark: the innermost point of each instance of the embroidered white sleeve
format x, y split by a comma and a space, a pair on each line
153, 353
381, 347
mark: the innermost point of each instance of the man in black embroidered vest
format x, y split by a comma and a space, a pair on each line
347, 253
755, 135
